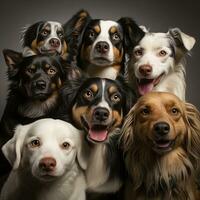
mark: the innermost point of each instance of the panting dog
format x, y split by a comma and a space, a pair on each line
98, 106
44, 37
161, 142
34, 87
48, 158
102, 44
157, 62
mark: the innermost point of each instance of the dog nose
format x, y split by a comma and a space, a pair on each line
161, 128
47, 164
40, 84
54, 42
102, 47
101, 114
145, 70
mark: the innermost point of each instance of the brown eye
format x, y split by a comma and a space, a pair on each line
91, 34
65, 145
138, 52
35, 143
175, 111
30, 70
88, 95
44, 32
115, 98
51, 71
115, 36
162, 53
145, 111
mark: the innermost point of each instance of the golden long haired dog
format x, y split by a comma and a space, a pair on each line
161, 141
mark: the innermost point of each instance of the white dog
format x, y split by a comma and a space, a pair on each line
48, 162
157, 62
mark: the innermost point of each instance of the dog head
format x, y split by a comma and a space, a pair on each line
162, 123
156, 56
35, 79
99, 105
44, 37
47, 148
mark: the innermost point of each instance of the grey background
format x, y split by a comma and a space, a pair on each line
157, 15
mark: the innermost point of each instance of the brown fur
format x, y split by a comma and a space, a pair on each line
169, 175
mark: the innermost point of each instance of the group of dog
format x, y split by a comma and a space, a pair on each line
98, 107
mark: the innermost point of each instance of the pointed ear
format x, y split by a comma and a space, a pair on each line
193, 131
12, 59
13, 148
74, 30
181, 39
132, 32
144, 28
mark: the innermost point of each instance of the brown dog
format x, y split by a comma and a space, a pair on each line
161, 140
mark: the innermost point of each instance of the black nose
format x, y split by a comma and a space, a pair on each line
54, 42
101, 114
40, 84
102, 47
161, 128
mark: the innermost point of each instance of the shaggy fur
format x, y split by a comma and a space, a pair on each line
161, 164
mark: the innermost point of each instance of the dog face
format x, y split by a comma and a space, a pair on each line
44, 37
47, 148
102, 43
156, 55
99, 107
163, 123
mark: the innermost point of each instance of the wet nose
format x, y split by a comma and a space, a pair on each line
145, 70
54, 42
161, 128
101, 114
47, 164
102, 47
40, 84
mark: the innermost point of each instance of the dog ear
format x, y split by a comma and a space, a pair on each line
12, 59
74, 30
13, 148
132, 32
193, 124
181, 39
144, 28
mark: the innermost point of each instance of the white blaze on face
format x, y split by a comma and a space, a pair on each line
104, 36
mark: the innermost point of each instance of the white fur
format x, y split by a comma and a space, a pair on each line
173, 68
27, 181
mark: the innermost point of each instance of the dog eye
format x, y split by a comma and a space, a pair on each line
91, 34
175, 111
115, 36
162, 53
115, 98
65, 145
51, 71
145, 111
35, 143
44, 32
88, 95
60, 34
30, 70
138, 52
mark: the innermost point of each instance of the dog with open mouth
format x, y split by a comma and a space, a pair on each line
157, 62
161, 143
44, 37
102, 44
98, 106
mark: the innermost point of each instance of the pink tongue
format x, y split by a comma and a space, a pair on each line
98, 135
164, 145
144, 88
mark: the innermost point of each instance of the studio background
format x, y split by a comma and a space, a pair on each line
154, 14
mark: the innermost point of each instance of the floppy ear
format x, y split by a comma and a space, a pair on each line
181, 39
127, 133
132, 32
74, 30
13, 148
193, 125
12, 59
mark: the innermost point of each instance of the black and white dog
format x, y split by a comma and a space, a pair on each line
102, 44
157, 62
44, 37
98, 106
